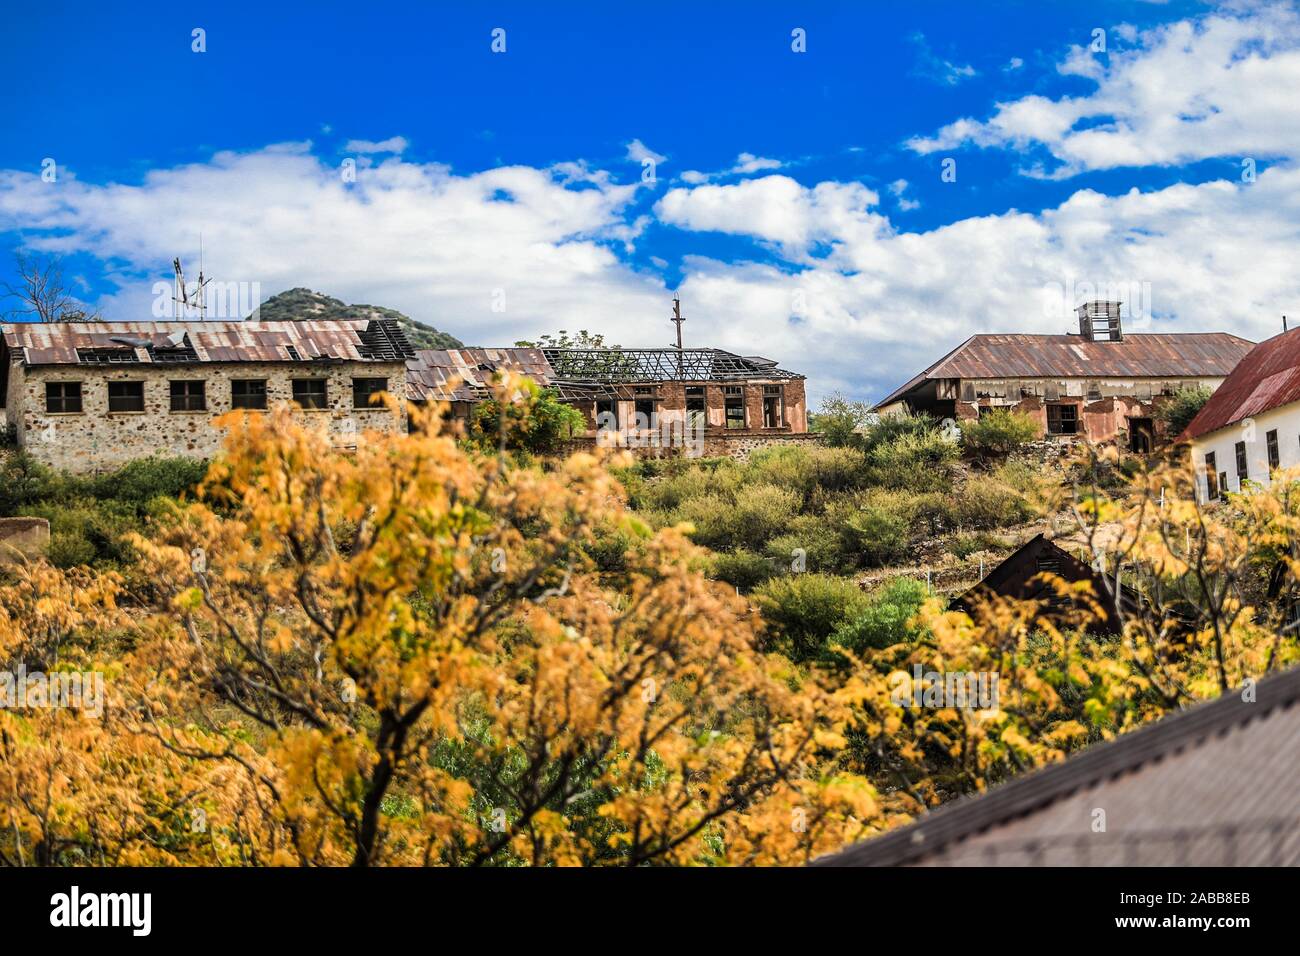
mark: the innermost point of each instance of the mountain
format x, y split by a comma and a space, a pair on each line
306, 304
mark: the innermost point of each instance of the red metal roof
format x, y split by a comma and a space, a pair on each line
1268, 377
1137, 355
57, 343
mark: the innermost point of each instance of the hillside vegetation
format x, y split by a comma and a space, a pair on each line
305, 304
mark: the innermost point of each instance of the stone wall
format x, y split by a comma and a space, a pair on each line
96, 439
23, 538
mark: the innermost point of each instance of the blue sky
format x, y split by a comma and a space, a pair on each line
796, 198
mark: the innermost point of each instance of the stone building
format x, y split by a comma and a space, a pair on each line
1099, 383
91, 396
656, 402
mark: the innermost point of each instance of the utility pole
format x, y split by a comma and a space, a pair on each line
678, 320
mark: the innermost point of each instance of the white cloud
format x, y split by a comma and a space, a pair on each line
639, 152
776, 210
1013, 64
746, 164
933, 67
412, 236
1223, 85
861, 306
898, 187
835, 289
394, 144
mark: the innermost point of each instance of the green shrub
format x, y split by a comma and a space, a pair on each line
743, 569
1178, 410
881, 530
756, 515
984, 502
149, 478
814, 539
890, 428
998, 433
803, 610
674, 490
839, 421
884, 622
918, 461
23, 480
809, 470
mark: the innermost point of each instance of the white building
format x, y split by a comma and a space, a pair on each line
1251, 424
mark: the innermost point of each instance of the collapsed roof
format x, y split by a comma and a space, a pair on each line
1141, 355
578, 373
144, 343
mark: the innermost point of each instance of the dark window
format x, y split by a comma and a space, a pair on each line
1241, 463
1094, 392
248, 393
734, 404
365, 389
106, 356
1063, 419
189, 395
126, 396
1211, 477
695, 411
643, 398
310, 392
1271, 438
772, 411
606, 413
63, 396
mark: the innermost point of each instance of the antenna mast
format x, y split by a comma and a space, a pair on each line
182, 296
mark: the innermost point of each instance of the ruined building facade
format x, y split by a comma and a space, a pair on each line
93, 396
1100, 383
654, 402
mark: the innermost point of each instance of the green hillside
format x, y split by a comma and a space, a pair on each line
306, 304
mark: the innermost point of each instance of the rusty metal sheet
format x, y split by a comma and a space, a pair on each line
1268, 377
462, 375
1140, 355
1137, 355
212, 341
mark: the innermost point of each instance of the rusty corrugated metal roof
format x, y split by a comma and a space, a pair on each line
462, 375
1180, 354
69, 343
1268, 377
1222, 771
1137, 355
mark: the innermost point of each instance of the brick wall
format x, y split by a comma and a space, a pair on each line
96, 439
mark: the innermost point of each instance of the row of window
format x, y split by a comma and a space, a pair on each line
1216, 482
190, 395
733, 396
1058, 390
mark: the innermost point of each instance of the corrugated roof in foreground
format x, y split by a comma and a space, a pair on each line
1216, 783
78, 343
1137, 355
1268, 377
